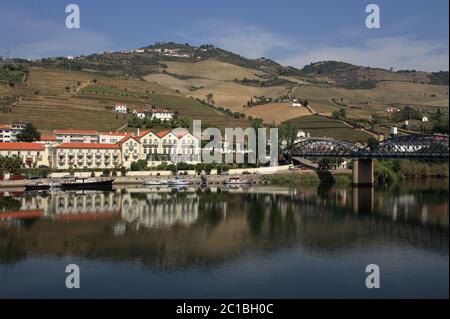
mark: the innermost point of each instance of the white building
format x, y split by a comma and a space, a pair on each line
161, 114
140, 113
84, 149
121, 108
31, 154
8, 132
86, 155
112, 137
76, 136
297, 104
49, 140
424, 119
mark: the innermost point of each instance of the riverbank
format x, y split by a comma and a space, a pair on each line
386, 172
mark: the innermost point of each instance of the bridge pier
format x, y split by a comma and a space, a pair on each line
363, 174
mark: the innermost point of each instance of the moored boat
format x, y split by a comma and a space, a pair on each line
88, 184
37, 186
178, 181
236, 181
155, 182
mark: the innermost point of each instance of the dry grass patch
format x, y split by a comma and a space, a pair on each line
276, 112
212, 69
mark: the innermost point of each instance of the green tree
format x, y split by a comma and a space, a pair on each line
29, 134
11, 165
372, 143
199, 167
140, 165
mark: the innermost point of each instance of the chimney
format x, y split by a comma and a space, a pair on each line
138, 132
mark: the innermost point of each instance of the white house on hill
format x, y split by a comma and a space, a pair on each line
120, 108
162, 114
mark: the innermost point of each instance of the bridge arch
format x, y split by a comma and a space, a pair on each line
323, 147
412, 146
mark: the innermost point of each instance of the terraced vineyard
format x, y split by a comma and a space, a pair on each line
319, 126
57, 99
59, 112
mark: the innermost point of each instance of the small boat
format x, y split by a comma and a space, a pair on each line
37, 186
155, 182
178, 181
88, 184
236, 181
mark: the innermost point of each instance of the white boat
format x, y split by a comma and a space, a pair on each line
236, 181
155, 182
178, 181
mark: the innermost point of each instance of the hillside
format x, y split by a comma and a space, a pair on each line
350, 76
80, 92
56, 99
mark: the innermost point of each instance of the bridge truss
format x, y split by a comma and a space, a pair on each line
430, 147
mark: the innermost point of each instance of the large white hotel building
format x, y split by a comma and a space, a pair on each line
100, 150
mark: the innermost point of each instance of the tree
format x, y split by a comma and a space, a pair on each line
325, 163
140, 165
372, 143
340, 115
288, 135
210, 98
10, 165
199, 167
29, 134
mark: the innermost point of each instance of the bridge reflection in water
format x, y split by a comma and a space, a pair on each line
177, 228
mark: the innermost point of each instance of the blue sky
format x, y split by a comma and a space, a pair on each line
413, 34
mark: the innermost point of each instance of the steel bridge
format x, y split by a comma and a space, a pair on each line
420, 147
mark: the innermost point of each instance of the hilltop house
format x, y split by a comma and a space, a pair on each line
392, 109
153, 113
162, 114
121, 108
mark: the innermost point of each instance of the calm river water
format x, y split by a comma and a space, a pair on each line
257, 242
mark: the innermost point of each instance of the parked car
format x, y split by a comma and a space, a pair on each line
246, 173
34, 177
293, 168
225, 173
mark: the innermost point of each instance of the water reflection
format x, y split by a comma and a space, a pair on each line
178, 228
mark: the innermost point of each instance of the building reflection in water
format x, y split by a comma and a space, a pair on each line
177, 227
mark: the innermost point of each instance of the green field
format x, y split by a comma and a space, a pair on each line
318, 126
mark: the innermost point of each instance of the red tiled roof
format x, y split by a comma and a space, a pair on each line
5, 126
115, 133
13, 146
181, 134
163, 133
88, 146
76, 132
142, 133
49, 138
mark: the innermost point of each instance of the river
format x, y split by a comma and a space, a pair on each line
253, 242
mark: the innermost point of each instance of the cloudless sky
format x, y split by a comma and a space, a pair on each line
413, 34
